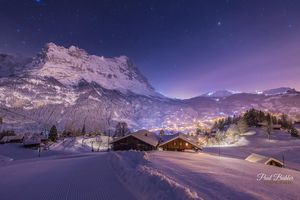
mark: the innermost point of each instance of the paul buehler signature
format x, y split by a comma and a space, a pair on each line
275, 178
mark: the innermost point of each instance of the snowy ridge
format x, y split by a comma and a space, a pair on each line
220, 93
71, 65
278, 91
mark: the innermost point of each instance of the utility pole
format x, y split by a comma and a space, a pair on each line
39, 149
108, 141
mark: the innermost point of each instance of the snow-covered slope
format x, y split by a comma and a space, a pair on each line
219, 93
71, 65
138, 175
278, 91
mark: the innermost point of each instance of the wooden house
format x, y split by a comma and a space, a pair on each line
256, 158
31, 142
179, 142
276, 126
142, 140
12, 139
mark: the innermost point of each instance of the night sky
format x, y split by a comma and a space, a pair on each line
184, 48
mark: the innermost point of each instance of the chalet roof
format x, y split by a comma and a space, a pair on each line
143, 135
168, 138
256, 158
32, 141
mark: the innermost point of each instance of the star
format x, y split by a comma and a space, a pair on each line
219, 23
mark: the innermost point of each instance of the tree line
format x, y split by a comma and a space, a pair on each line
258, 118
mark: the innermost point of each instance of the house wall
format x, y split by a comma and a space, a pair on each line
131, 143
274, 163
178, 145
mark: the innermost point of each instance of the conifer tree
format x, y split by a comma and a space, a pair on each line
53, 133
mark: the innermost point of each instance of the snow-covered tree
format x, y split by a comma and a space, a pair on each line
242, 126
285, 121
121, 129
232, 133
268, 127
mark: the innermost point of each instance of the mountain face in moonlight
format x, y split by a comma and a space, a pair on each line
72, 65
69, 88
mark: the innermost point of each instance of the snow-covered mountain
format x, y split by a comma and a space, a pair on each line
71, 65
277, 91
69, 88
220, 93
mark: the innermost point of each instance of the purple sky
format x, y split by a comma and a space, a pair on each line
184, 47
268, 67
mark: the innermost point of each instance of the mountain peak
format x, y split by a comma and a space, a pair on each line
70, 65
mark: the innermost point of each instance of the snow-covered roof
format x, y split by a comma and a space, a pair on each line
143, 135
256, 158
13, 137
32, 141
168, 138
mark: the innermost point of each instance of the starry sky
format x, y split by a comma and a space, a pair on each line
184, 47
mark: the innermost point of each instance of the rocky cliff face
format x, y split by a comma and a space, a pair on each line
69, 88
71, 65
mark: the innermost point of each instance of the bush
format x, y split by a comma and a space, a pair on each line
294, 132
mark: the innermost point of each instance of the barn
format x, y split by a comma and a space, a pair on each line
141, 140
179, 142
256, 158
